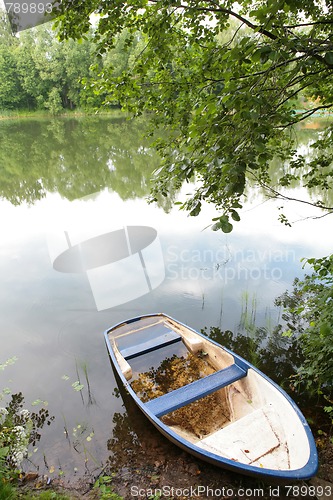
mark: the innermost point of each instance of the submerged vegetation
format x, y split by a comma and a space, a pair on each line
19, 427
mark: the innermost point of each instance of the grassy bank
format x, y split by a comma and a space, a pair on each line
11, 489
41, 114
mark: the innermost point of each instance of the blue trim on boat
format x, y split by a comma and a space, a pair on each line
306, 472
194, 391
132, 320
151, 345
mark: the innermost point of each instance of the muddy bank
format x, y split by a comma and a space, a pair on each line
159, 470
160, 467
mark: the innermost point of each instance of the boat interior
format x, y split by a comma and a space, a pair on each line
208, 397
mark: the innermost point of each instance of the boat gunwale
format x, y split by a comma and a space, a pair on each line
305, 472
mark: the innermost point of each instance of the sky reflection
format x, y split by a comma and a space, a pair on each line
53, 321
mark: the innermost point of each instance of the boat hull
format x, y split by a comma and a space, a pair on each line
230, 377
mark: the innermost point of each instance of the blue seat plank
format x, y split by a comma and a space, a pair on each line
196, 390
167, 338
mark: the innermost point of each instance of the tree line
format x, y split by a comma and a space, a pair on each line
38, 72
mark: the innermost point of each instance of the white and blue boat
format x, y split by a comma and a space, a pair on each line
209, 401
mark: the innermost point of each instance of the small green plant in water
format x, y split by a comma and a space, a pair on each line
248, 325
103, 484
19, 428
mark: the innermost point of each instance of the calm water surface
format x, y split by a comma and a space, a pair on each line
82, 250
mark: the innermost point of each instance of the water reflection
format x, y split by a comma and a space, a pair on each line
76, 157
95, 252
50, 319
134, 441
73, 157
267, 350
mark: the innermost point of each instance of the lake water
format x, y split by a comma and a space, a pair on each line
81, 250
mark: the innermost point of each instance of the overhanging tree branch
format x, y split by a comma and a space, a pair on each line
280, 196
306, 115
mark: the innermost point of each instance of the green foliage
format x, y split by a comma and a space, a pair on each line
7, 492
309, 318
7, 363
53, 103
6, 36
18, 428
51, 72
39, 72
225, 80
11, 95
43, 495
104, 485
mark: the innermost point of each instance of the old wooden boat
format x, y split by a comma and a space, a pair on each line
209, 401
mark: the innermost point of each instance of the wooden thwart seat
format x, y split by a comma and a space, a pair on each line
196, 390
156, 343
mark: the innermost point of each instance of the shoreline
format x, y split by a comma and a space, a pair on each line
167, 472
117, 113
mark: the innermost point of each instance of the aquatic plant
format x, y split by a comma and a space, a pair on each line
18, 429
104, 486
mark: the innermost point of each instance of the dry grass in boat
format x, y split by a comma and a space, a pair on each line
200, 417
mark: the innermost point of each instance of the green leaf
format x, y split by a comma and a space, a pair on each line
235, 216
329, 58
256, 56
77, 386
196, 210
325, 330
4, 451
37, 402
226, 227
216, 226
